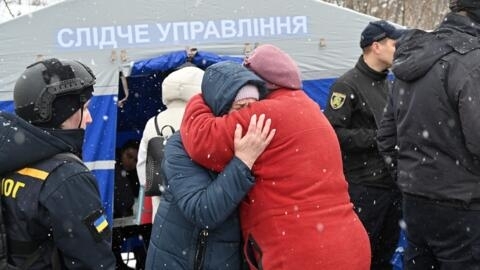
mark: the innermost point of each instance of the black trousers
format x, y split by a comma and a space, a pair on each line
441, 235
380, 211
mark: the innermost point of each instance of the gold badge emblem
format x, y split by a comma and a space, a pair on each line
337, 100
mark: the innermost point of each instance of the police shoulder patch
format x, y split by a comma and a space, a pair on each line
337, 100
98, 225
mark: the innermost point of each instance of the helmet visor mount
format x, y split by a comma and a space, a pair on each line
43, 104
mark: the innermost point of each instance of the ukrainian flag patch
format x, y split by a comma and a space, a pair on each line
101, 223
98, 226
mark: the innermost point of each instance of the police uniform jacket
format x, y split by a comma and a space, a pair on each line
431, 127
356, 103
51, 202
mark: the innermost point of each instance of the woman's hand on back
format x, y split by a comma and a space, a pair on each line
258, 136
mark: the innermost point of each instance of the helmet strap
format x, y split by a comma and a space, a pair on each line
81, 116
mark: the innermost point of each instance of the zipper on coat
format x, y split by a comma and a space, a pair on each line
200, 252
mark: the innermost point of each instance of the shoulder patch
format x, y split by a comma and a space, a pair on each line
337, 100
34, 173
97, 225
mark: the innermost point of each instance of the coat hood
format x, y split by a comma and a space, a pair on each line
22, 144
417, 51
182, 84
221, 83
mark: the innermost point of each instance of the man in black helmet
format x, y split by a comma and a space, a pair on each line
52, 209
430, 134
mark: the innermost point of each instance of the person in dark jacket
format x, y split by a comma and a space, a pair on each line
197, 224
357, 100
54, 215
431, 135
127, 189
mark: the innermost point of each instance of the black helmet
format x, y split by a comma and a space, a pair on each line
48, 92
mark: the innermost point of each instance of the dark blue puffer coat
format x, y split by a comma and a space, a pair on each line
197, 225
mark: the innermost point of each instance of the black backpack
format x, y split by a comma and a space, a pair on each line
155, 179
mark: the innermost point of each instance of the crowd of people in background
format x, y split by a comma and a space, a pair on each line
258, 176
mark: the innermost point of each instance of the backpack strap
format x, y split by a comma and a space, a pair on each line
156, 126
155, 179
172, 130
160, 131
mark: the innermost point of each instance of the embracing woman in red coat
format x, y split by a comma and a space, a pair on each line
298, 215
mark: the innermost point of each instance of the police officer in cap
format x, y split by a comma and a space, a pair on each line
355, 108
52, 208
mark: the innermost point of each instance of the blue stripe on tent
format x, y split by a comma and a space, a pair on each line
318, 90
101, 133
7, 106
176, 59
105, 186
100, 145
205, 59
159, 64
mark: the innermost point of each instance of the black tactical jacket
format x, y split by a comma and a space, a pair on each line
356, 103
51, 202
431, 129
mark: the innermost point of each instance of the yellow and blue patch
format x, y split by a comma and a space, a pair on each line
97, 224
101, 223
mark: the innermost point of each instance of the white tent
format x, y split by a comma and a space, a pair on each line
115, 35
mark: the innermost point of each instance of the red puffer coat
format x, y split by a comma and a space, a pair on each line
298, 215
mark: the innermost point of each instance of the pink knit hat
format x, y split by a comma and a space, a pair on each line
247, 91
274, 66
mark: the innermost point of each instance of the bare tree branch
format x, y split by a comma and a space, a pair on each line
8, 8
424, 14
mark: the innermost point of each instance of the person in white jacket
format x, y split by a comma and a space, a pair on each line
177, 88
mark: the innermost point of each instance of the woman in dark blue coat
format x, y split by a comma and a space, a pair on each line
197, 225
